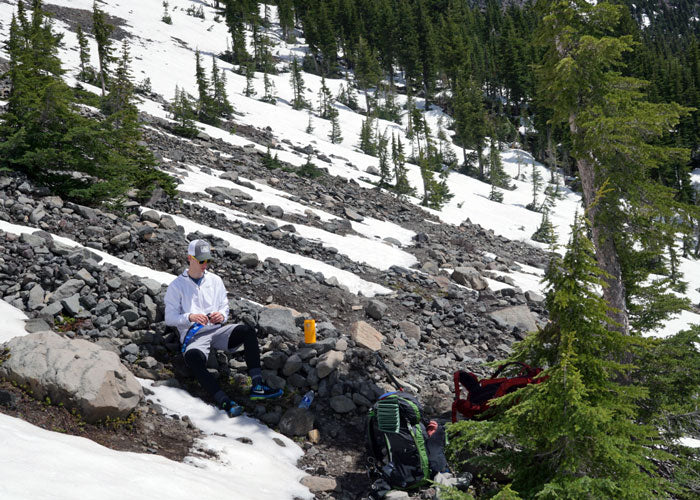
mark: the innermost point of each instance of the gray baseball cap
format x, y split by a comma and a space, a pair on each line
200, 250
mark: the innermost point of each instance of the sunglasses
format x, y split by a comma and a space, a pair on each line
205, 261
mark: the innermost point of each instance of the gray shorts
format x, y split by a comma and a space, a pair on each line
216, 338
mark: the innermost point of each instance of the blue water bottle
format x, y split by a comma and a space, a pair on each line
307, 400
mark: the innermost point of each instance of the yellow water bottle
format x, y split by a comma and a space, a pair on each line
310, 331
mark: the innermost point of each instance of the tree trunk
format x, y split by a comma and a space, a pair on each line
606, 253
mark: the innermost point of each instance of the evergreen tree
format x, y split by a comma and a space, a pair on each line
166, 15
325, 100
102, 30
221, 104
575, 434
297, 81
545, 231
470, 121
367, 143
335, 133
367, 71
401, 187
536, 186
43, 134
612, 128
269, 95
249, 90
235, 16
87, 72
285, 12
310, 124
385, 173
206, 107
184, 114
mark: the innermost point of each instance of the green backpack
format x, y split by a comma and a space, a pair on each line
401, 452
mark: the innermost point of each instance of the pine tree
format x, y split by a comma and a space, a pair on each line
575, 434
184, 113
43, 134
166, 15
470, 121
249, 90
102, 30
310, 124
87, 72
222, 106
235, 15
536, 186
206, 108
545, 231
335, 133
325, 100
297, 81
269, 95
367, 72
385, 173
612, 129
367, 143
401, 187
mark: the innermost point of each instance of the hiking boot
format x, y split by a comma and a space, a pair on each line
261, 391
231, 408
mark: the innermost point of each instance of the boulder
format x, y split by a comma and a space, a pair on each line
318, 484
328, 362
470, 277
77, 373
70, 287
364, 335
515, 317
278, 322
296, 422
376, 309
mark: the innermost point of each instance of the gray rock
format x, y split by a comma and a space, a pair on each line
470, 277
534, 297
516, 316
151, 216
70, 287
296, 422
37, 214
376, 309
152, 286
120, 240
342, 404
36, 298
77, 373
249, 259
353, 216
71, 305
292, 365
319, 484
85, 275
36, 325
328, 362
275, 211
410, 330
274, 321
228, 193
50, 311
364, 335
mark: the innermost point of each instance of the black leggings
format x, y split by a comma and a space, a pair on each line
197, 362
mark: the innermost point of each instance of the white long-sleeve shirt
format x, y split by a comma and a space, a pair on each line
185, 297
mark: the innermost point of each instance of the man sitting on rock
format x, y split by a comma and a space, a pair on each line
197, 305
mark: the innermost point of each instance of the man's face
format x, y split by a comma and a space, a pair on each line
196, 265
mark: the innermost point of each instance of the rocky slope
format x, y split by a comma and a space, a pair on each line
434, 322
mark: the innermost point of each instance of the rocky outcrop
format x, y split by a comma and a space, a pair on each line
75, 373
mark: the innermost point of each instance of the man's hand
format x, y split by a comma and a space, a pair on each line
199, 318
216, 318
